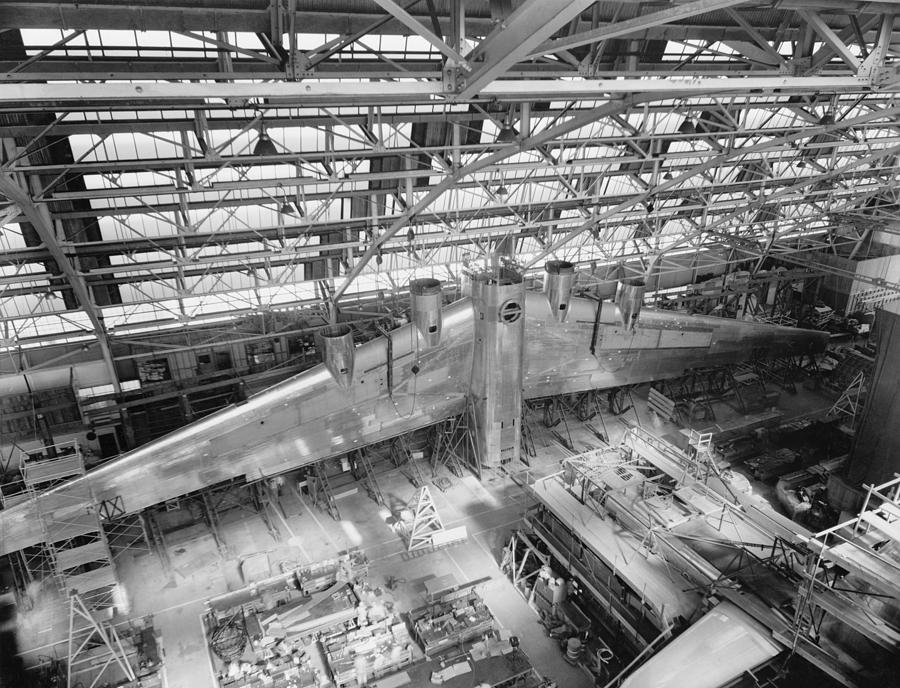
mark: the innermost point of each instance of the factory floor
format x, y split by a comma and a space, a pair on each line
489, 509
175, 600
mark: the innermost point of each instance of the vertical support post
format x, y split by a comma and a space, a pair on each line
389, 363
498, 297
525, 120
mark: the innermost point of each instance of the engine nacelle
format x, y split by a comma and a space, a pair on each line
425, 301
336, 342
558, 286
629, 300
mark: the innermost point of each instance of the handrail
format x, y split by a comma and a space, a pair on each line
617, 679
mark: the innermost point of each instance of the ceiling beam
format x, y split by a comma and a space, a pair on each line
39, 218
629, 26
545, 136
419, 28
831, 38
286, 94
712, 163
532, 22
101, 123
250, 16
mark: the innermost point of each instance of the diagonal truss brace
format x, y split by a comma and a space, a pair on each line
530, 24
414, 24
39, 217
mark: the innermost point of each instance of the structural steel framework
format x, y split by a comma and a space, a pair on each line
166, 164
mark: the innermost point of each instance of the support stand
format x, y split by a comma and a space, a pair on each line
426, 522
95, 646
320, 491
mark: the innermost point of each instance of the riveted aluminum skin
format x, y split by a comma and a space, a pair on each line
465, 283
558, 287
629, 300
308, 417
498, 298
337, 353
425, 301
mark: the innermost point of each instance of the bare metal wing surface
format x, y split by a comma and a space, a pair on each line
712, 652
311, 416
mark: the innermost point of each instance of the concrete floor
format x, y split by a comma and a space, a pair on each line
489, 509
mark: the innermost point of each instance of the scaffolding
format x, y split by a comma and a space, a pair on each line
95, 650
854, 546
320, 491
849, 405
264, 497
703, 464
74, 539
426, 521
522, 561
124, 531
364, 471
156, 538
451, 441
838, 577
409, 460
427, 532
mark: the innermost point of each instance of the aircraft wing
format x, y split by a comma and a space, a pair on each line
713, 652
665, 344
309, 417
298, 421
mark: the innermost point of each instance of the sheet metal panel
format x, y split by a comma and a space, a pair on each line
498, 301
309, 417
712, 652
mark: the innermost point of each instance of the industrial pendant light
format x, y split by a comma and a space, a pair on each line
287, 206
501, 189
687, 127
264, 145
507, 134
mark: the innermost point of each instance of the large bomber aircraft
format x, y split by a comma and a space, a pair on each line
481, 354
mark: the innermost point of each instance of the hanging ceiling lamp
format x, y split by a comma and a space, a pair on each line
289, 207
264, 145
687, 127
507, 134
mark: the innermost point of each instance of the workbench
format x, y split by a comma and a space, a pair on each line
450, 623
357, 657
280, 672
487, 662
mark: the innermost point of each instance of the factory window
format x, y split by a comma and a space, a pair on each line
260, 355
223, 360
154, 370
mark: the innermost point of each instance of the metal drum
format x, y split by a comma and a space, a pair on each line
629, 300
336, 343
558, 286
425, 301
